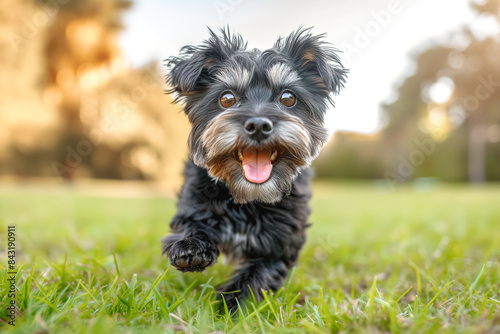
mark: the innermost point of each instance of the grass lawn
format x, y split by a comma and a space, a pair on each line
375, 261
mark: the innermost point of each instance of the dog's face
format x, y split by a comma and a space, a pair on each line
257, 117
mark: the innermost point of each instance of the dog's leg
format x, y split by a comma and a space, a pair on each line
193, 246
257, 275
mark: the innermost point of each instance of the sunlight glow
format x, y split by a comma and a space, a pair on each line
441, 90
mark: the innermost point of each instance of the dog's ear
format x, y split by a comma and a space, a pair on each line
195, 67
315, 59
185, 72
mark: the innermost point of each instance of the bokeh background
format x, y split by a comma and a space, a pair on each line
82, 87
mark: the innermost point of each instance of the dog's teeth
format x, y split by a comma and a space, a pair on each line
274, 155
240, 155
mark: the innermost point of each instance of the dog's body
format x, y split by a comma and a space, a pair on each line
258, 122
265, 237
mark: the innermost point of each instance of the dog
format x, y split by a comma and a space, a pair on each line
257, 124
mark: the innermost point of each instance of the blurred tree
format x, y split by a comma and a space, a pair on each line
73, 107
445, 121
21, 66
81, 53
490, 7
486, 100
477, 96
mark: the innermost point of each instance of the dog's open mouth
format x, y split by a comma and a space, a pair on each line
257, 164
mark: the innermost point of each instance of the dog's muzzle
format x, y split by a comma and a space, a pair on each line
257, 163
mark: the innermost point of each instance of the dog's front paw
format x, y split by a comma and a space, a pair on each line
192, 255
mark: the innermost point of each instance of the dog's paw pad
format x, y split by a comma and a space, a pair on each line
182, 263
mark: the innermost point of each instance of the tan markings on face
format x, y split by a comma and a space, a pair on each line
295, 135
220, 135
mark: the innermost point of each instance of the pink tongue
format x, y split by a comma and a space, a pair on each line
257, 165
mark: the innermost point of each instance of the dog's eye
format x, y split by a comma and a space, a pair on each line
227, 99
288, 99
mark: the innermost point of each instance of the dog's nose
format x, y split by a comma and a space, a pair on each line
258, 128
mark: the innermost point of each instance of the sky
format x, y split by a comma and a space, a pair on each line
378, 39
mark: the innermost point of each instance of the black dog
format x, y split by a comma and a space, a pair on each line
257, 124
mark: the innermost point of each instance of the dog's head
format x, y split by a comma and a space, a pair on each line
257, 117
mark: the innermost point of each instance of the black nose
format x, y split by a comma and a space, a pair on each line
258, 128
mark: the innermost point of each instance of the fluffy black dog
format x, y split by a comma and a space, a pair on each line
257, 124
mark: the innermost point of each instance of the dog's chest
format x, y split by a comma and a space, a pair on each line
235, 245
236, 239
242, 233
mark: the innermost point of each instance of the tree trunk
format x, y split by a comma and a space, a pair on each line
477, 151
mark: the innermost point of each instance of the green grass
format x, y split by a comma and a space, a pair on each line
375, 261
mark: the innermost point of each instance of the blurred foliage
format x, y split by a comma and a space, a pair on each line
455, 138
72, 106
488, 7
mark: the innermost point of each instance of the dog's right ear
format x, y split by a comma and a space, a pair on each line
195, 67
185, 70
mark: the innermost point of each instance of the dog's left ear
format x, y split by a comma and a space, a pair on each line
316, 60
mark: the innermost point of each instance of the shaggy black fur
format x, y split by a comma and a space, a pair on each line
268, 237
260, 224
